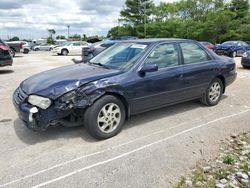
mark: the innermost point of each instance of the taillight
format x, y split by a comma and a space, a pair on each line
21, 45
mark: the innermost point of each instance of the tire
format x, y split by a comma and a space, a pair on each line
102, 126
26, 51
233, 54
64, 52
12, 52
212, 97
36, 49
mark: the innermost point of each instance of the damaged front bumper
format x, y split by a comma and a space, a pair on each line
35, 118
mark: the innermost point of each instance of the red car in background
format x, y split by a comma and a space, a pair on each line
208, 45
5, 56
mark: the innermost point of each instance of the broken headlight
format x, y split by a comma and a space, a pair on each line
40, 102
70, 96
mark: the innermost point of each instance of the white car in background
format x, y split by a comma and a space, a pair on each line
43, 47
72, 48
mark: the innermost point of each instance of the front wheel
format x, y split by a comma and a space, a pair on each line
213, 93
105, 118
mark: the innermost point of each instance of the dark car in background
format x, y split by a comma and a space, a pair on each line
232, 48
5, 56
245, 60
208, 45
128, 78
94, 49
15, 47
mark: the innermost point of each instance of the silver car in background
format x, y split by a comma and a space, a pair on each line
43, 47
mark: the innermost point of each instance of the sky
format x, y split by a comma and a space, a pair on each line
31, 19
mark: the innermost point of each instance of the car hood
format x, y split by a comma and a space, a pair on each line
56, 82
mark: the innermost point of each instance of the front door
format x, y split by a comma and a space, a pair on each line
163, 86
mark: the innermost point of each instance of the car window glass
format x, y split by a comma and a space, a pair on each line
76, 44
164, 55
192, 53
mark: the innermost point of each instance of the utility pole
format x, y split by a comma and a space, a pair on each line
68, 26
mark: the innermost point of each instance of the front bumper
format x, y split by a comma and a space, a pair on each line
245, 61
33, 117
223, 52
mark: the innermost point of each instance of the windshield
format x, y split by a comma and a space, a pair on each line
120, 56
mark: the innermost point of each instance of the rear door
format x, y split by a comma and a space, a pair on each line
198, 69
76, 48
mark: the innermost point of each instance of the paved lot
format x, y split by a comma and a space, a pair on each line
153, 150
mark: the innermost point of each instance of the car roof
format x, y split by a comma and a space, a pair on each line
157, 40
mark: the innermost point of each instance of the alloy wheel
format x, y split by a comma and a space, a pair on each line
215, 92
109, 118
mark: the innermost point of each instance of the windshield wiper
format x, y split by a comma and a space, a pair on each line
101, 65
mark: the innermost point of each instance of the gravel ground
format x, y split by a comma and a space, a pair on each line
231, 169
154, 149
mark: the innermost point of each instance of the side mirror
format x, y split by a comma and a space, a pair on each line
148, 68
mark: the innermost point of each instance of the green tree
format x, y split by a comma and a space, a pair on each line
51, 32
15, 38
60, 37
135, 11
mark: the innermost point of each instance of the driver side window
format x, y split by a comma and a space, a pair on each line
164, 55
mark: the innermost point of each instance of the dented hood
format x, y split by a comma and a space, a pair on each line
56, 82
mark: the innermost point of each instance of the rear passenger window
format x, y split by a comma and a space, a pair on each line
192, 53
164, 55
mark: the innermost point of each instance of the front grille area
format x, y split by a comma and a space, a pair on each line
19, 95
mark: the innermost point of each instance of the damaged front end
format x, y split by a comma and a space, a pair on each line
66, 110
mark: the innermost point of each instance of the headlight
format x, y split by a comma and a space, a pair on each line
68, 96
245, 54
41, 102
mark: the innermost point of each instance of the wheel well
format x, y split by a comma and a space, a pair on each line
65, 49
13, 49
124, 101
223, 82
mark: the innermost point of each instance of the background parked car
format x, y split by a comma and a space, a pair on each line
94, 49
208, 45
5, 56
25, 48
245, 61
15, 46
232, 48
43, 47
72, 48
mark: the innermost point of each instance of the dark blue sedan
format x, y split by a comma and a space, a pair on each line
128, 78
232, 48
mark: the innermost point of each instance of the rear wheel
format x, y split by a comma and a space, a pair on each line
105, 118
245, 67
12, 52
213, 93
25, 51
65, 52
233, 54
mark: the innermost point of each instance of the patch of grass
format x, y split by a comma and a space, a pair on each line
210, 184
199, 175
182, 183
244, 166
229, 159
221, 173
